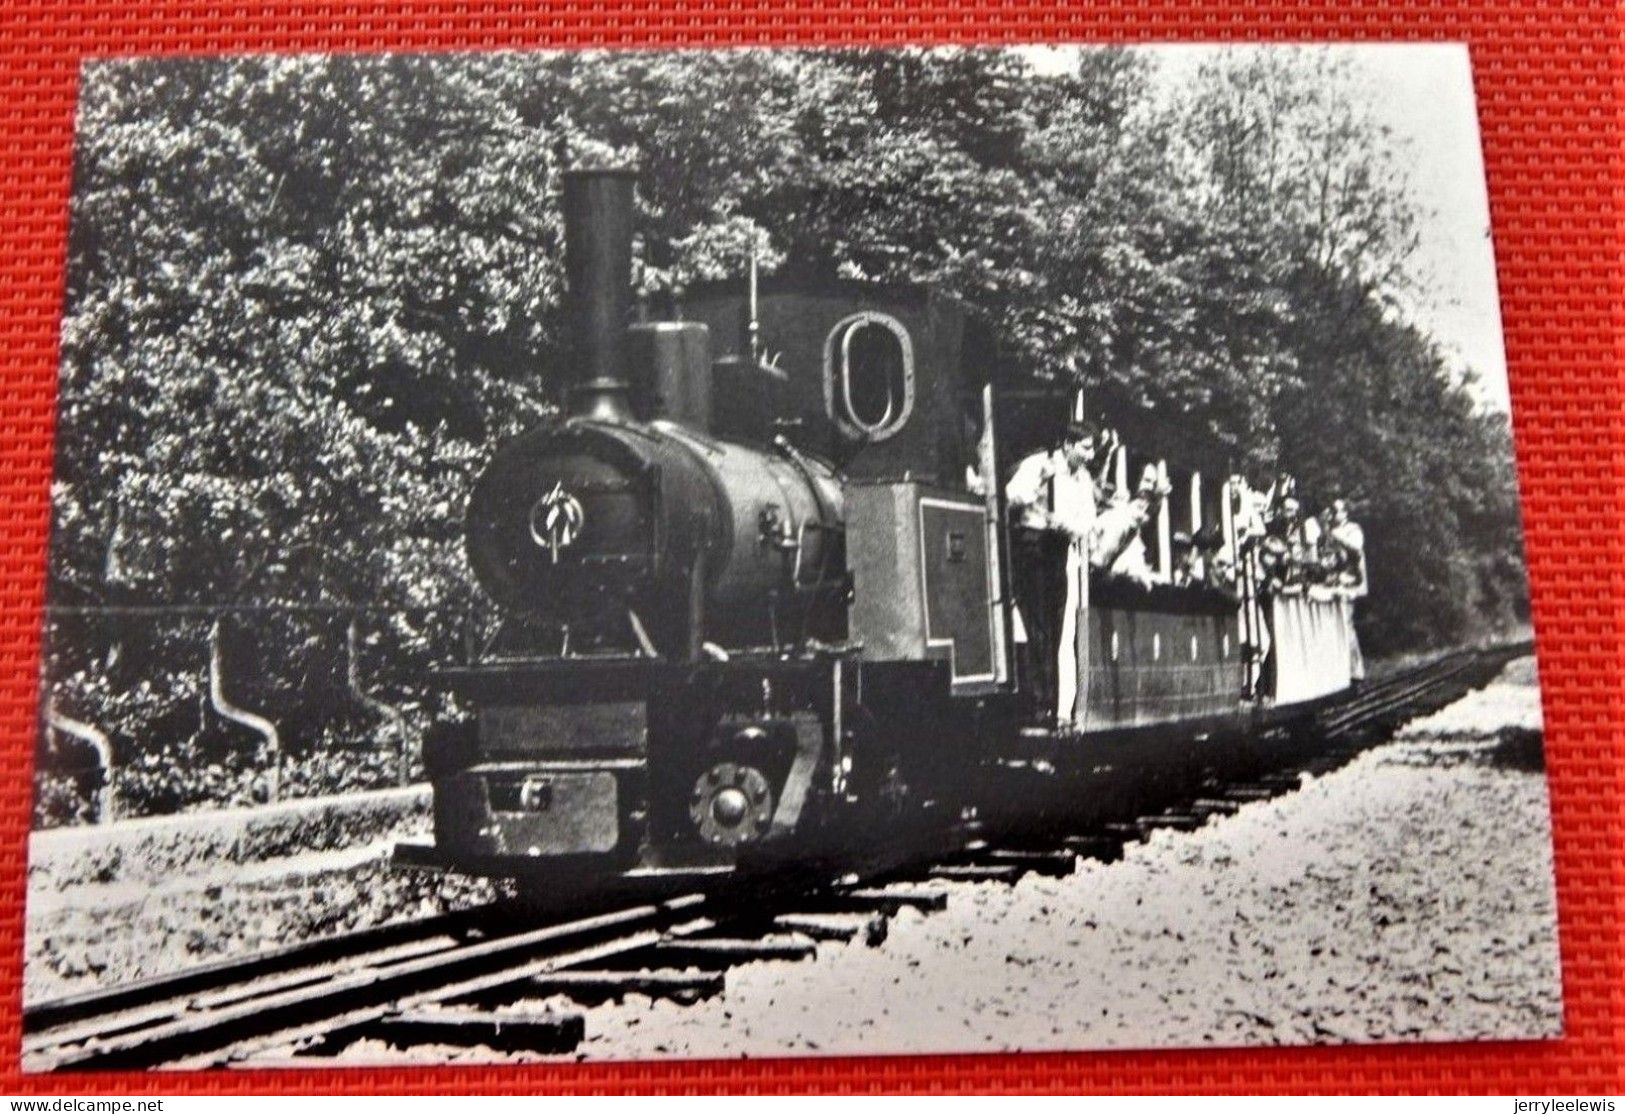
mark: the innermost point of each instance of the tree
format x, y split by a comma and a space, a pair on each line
308, 296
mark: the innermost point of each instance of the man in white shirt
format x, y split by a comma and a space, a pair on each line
1052, 508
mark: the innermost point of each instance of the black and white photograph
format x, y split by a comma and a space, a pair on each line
615, 555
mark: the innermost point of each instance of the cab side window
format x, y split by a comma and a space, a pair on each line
869, 376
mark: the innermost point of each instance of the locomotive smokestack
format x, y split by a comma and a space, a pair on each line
598, 301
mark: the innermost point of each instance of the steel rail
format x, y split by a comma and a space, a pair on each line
151, 1042
57, 1013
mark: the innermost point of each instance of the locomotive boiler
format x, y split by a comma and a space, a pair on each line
629, 526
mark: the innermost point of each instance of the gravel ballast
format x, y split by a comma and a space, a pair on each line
90, 935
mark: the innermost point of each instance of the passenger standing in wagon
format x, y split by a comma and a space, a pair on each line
1347, 535
1052, 504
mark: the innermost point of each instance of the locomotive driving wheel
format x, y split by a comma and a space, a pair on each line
731, 804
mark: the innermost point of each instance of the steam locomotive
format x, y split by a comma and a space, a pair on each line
753, 612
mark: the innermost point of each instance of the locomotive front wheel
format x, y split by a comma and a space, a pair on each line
731, 804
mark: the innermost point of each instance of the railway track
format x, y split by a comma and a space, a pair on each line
475, 978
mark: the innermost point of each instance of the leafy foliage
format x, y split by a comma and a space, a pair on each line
307, 296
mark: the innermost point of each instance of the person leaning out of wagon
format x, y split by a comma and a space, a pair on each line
1052, 500
1187, 566
1200, 562
1346, 540
1116, 544
1219, 563
1290, 552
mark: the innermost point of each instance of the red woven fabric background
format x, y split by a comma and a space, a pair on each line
1549, 91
